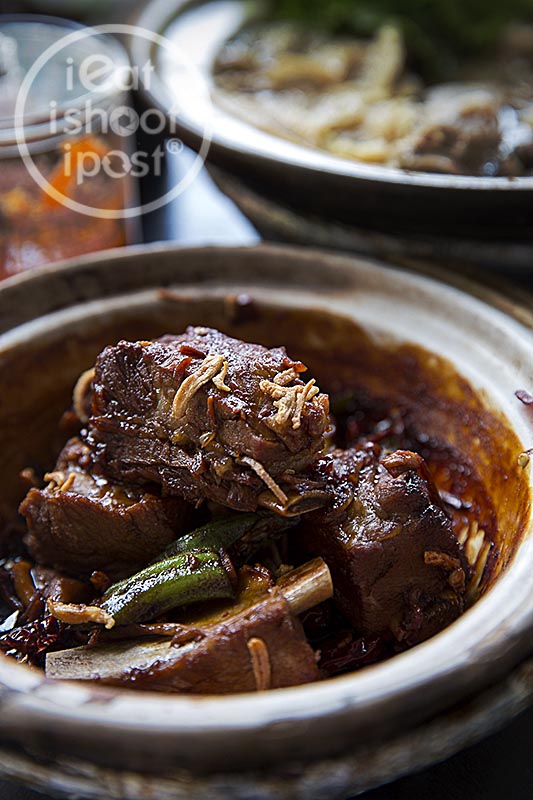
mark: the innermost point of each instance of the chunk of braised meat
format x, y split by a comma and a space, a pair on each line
398, 570
258, 643
205, 416
261, 648
463, 135
82, 522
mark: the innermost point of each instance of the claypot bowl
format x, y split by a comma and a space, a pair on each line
455, 352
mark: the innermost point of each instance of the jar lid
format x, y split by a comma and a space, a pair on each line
51, 68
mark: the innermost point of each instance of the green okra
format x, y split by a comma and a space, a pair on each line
189, 577
217, 535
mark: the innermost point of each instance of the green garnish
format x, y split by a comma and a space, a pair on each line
437, 32
190, 577
214, 535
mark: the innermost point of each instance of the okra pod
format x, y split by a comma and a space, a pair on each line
217, 535
224, 533
189, 577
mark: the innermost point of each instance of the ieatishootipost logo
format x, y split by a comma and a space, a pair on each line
96, 128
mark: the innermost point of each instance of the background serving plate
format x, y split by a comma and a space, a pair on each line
310, 180
328, 739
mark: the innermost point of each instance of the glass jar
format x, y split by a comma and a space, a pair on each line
65, 186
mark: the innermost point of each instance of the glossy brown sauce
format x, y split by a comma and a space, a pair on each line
399, 394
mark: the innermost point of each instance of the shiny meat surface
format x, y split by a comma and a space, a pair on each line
398, 570
205, 416
351, 558
260, 647
81, 522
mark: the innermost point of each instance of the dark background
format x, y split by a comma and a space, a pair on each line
501, 768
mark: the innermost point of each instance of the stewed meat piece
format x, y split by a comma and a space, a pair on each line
81, 522
205, 416
257, 643
263, 647
398, 570
471, 129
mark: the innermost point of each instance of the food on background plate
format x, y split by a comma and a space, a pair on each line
433, 87
211, 529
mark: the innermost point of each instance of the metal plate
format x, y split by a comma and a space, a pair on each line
278, 222
377, 197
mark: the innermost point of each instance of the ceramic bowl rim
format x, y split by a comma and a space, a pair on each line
504, 614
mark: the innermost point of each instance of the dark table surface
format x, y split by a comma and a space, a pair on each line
499, 768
